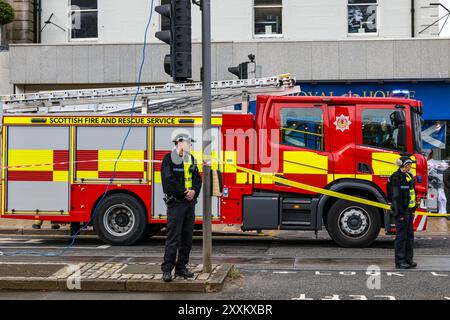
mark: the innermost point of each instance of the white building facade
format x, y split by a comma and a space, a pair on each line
119, 21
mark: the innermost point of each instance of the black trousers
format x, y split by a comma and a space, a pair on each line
180, 227
404, 240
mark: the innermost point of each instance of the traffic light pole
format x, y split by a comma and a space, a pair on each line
206, 57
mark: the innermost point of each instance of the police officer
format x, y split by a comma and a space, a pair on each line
403, 206
181, 183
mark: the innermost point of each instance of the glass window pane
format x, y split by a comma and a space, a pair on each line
378, 129
268, 2
84, 4
302, 127
84, 25
268, 21
362, 19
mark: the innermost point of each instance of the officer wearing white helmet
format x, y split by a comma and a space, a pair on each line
401, 192
181, 184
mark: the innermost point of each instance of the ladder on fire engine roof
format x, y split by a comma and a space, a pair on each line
167, 98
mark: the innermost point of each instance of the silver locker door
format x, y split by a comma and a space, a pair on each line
35, 145
107, 141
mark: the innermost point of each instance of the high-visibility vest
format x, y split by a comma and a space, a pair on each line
412, 192
187, 172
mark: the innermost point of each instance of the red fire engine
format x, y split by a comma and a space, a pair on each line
57, 167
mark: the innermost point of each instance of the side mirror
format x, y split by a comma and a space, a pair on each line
402, 140
398, 118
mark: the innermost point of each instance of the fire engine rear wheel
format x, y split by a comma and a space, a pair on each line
121, 220
353, 225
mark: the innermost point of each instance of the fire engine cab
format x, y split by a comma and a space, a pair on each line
58, 165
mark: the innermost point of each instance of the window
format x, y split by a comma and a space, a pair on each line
84, 19
362, 16
417, 122
268, 17
165, 22
378, 129
302, 127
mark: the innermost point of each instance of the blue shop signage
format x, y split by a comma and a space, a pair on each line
434, 95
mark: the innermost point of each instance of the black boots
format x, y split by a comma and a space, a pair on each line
184, 273
167, 276
402, 266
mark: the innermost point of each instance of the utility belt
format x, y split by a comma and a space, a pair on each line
170, 199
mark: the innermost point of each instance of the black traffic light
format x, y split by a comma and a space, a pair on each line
241, 71
177, 64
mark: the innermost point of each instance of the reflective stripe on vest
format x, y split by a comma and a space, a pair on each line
412, 192
187, 173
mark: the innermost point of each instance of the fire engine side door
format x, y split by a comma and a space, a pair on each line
300, 152
376, 143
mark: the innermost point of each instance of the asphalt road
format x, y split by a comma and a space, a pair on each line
293, 265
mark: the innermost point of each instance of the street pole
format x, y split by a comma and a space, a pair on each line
206, 58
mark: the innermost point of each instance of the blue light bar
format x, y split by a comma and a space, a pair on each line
400, 94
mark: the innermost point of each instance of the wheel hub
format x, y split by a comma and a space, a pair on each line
354, 222
119, 220
122, 219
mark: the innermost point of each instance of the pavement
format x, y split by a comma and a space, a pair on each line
272, 265
125, 277
292, 265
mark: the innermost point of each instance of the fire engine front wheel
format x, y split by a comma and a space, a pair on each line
121, 220
353, 225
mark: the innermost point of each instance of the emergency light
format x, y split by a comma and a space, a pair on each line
400, 94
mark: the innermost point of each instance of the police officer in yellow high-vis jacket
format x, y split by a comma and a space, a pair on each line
181, 183
404, 206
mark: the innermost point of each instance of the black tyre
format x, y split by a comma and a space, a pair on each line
353, 225
121, 220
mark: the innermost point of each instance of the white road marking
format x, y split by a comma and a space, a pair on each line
358, 297
318, 273
390, 274
388, 297
38, 241
302, 297
12, 241
284, 272
332, 297
106, 246
439, 274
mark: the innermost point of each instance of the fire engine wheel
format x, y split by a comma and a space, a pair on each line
353, 225
121, 220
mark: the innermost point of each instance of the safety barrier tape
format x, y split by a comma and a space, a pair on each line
81, 161
269, 176
327, 192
